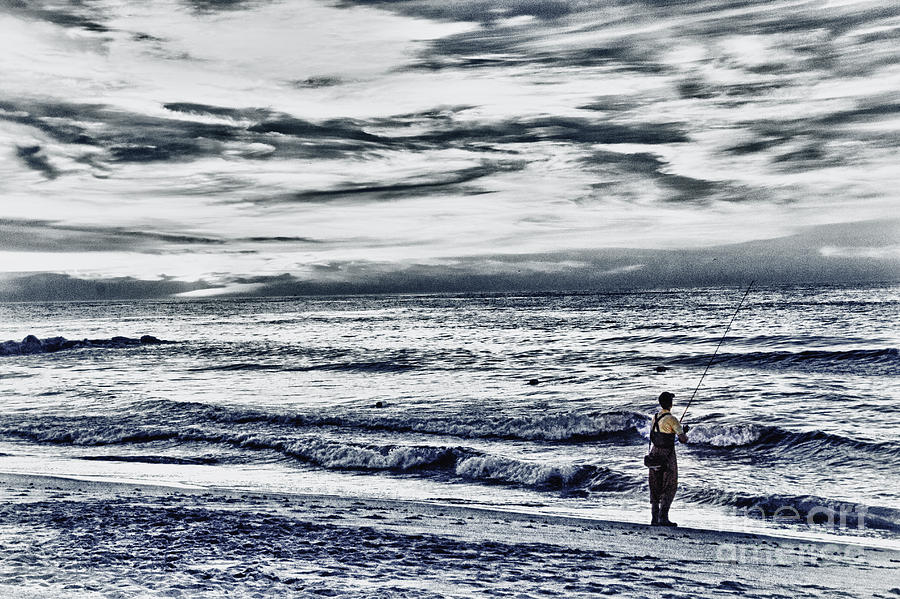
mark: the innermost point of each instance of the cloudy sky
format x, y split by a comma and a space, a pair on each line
203, 147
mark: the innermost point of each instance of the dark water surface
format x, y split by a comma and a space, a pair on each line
797, 414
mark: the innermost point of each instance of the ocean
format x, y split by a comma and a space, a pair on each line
532, 402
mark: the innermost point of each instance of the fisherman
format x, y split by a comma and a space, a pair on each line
664, 479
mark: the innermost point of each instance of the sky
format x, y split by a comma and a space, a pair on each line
195, 148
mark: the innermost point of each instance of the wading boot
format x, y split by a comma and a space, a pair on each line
654, 514
664, 518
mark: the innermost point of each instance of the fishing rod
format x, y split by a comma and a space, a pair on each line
746, 293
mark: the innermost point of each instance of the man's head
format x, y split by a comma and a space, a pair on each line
665, 400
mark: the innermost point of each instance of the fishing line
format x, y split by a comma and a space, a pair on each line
746, 293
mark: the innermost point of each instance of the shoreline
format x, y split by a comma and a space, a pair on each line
60, 482
135, 539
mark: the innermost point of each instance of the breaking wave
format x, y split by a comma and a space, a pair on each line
464, 463
761, 436
445, 461
800, 509
545, 476
91, 435
566, 427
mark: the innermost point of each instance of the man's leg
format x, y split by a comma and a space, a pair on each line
656, 487
667, 495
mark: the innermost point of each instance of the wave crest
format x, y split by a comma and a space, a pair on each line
372, 366
884, 361
726, 435
462, 462
808, 508
488, 468
542, 427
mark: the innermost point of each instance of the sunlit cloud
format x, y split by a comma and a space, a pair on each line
878, 253
233, 289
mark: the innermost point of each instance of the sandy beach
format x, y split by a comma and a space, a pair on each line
73, 538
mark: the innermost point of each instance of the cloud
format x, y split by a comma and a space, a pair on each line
482, 11
76, 15
20, 235
125, 137
60, 287
625, 166
48, 236
618, 270
769, 262
233, 289
211, 6
814, 142
551, 128
31, 156
865, 113
419, 186
386, 144
600, 270
316, 81
250, 114
878, 253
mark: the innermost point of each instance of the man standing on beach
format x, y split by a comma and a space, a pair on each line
664, 478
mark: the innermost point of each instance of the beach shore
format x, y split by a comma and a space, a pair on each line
74, 538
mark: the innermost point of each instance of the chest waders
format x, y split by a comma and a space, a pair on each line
664, 478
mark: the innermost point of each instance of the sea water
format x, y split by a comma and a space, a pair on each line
534, 402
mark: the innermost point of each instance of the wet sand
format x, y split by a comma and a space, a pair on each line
70, 538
